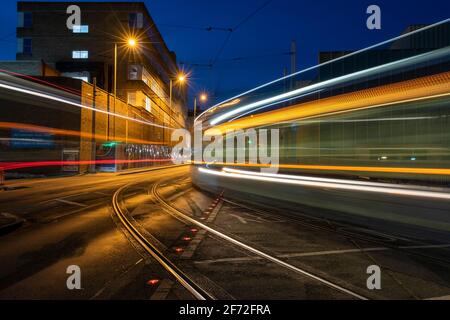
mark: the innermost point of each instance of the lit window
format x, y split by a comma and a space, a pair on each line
132, 98
80, 54
80, 29
148, 104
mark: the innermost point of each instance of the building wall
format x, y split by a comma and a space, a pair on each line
108, 23
29, 67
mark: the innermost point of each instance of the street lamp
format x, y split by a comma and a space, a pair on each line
203, 98
181, 78
131, 42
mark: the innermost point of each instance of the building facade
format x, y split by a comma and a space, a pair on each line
88, 122
87, 51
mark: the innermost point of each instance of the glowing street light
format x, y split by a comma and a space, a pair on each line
132, 42
181, 77
203, 98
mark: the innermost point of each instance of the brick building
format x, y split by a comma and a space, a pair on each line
76, 58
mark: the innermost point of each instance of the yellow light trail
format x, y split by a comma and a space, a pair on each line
70, 133
403, 170
405, 91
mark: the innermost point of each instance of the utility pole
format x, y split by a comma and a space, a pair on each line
195, 107
293, 62
293, 57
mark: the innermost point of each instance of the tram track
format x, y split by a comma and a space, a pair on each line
196, 291
176, 213
188, 281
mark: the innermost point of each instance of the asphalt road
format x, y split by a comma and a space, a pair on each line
233, 248
69, 222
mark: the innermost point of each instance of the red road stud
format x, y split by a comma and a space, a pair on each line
153, 282
187, 238
194, 230
178, 250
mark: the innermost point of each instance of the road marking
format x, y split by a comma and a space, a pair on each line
242, 220
71, 202
318, 253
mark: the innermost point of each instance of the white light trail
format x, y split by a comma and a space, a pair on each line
50, 97
340, 184
325, 63
436, 54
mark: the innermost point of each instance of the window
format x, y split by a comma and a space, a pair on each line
24, 19
24, 46
80, 29
132, 98
27, 19
133, 72
80, 54
19, 45
27, 45
148, 104
135, 20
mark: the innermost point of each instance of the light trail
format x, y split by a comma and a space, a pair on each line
20, 75
219, 105
331, 185
275, 103
436, 54
31, 164
69, 133
330, 180
50, 97
402, 170
420, 89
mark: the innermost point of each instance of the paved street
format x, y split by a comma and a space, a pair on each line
78, 226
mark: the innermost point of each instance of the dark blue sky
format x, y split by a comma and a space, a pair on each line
315, 25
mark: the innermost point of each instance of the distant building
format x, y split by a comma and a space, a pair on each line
420, 42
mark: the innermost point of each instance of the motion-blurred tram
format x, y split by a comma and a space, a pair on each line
366, 139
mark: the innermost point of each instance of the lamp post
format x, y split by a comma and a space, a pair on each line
181, 78
131, 43
203, 98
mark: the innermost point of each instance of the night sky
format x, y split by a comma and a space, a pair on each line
256, 51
